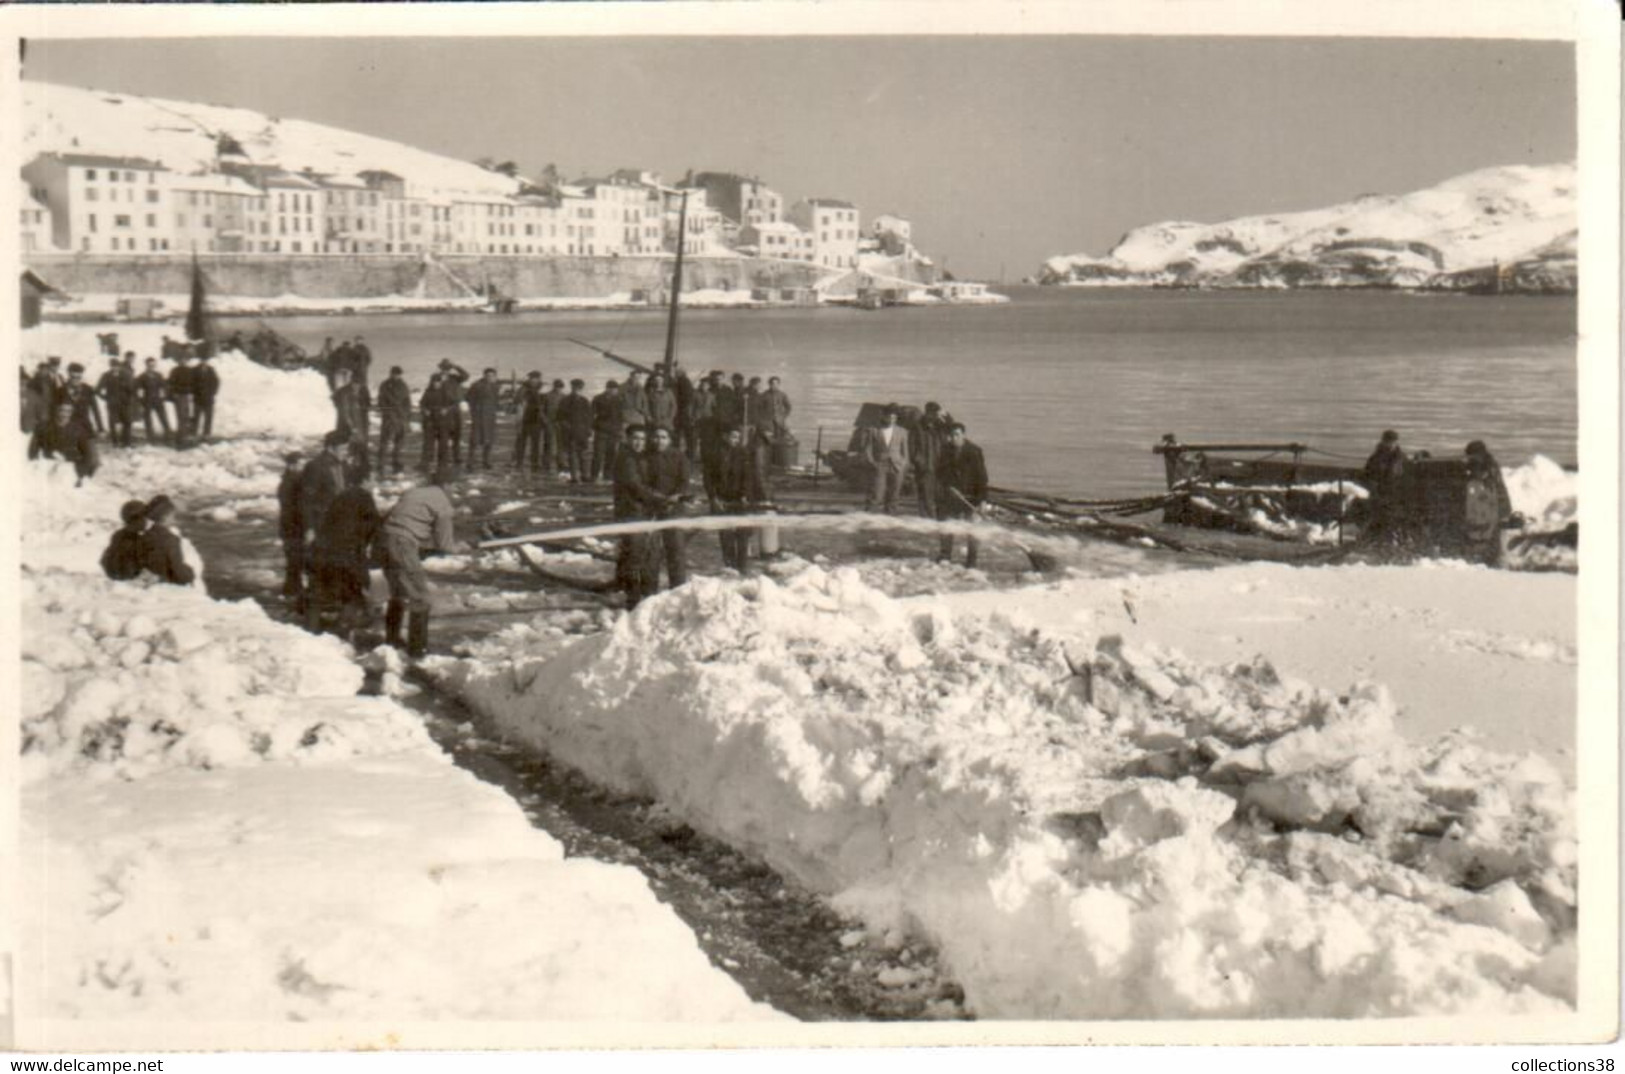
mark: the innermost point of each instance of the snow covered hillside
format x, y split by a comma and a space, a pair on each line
1449, 236
183, 136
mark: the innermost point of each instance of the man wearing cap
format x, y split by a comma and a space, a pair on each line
637, 564
161, 546
291, 528
736, 486
154, 391
205, 387
532, 418
48, 382
122, 560
482, 419
701, 420
666, 475
633, 400
886, 449
339, 558
180, 393
660, 404
451, 408
320, 483
420, 520
576, 417
82, 397
961, 483
553, 429
436, 441
775, 411
394, 415
608, 423
70, 437
924, 446
117, 389
1383, 477
1487, 509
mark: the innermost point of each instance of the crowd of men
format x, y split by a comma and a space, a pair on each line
62, 412
949, 471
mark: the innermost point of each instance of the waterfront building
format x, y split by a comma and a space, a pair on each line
35, 220
354, 215
893, 236
294, 218
833, 226
627, 214
702, 233
209, 212
743, 200
781, 241
101, 204
540, 224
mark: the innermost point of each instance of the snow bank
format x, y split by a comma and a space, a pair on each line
1543, 492
1125, 833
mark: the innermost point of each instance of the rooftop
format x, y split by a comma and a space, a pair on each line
98, 160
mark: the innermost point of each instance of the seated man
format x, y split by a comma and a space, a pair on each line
161, 546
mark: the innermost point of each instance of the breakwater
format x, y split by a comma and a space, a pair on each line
370, 276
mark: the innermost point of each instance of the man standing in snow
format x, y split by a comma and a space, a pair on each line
70, 437
340, 559
395, 414
453, 378
180, 393
122, 560
205, 387
608, 422
924, 447
117, 389
161, 546
887, 451
961, 484
576, 420
291, 527
482, 414
320, 483
154, 390
634, 405
420, 520
82, 397
736, 487
1383, 475
666, 474
637, 567
660, 404
532, 418
775, 411
553, 429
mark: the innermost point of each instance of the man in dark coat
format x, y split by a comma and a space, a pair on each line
607, 425
435, 439
637, 565
729, 409
161, 546
181, 380
452, 389
666, 474
340, 558
205, 388
395, 414
70, 437
961, 481
117, 389
82, 398
420, 521
775, 407
925, 442
154, 391
291, 528
576, 422
483, 397
633, 402
660, 404
122, 560
701, 422
683, 388
1383, 475
320, 483
736, 487
754, 411
532, 419
49, 382
553, 429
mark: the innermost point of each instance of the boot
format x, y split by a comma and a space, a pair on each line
417, 634
394, 616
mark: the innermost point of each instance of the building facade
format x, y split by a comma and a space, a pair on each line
36, 230
101, 204
833, 227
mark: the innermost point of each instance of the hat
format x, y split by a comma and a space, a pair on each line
578, 383
932, 408
159, 507
533, 375
445, 363
1389, 436
292, 457
75, 367
1477, 447
395, 370
132, 510
336, 438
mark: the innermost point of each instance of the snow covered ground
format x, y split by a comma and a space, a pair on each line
218, 831
1088, 825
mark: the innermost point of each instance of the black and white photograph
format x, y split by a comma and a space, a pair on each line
643, 525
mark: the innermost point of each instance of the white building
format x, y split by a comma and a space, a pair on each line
833, 225
35, 220
210, 213
101, 204
780, 240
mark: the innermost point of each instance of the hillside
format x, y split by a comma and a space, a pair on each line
1450, 236
183, 136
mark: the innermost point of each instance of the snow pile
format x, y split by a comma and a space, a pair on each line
1543, 492
1127, 834
1494, 215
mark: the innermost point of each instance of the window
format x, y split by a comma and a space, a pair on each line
152, 220
91, 221
208, 219
91, 194
121, 221
129, 177
296, 248
152, 196
90, 175
113, 244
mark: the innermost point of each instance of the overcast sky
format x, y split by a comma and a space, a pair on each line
1002, 151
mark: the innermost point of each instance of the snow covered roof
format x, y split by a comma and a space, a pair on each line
98, 160
214, 183
830, 203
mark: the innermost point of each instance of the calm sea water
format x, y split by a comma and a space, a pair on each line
1066, 390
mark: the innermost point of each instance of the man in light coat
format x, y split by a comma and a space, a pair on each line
887, 451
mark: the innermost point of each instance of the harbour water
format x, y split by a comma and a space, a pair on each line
1067, 389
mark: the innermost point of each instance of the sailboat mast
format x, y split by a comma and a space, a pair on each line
676, 287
